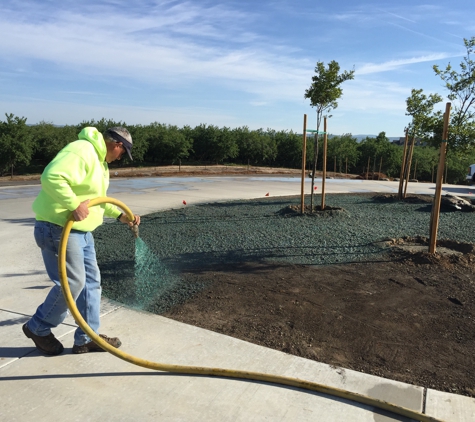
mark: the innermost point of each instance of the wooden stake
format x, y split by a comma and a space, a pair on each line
408, 167
304, 153
324, 175
380, 166
434, 220
367, 170
403, 166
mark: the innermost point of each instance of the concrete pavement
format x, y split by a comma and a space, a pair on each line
101, 387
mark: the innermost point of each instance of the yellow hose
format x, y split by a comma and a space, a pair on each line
218, 372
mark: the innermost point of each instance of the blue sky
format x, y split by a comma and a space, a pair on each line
230, 63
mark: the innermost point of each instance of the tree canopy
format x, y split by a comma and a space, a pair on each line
15, 143
461, 87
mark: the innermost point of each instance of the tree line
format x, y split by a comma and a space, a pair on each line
27, 149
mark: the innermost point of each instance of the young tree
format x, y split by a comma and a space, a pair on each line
15, 143
461, 87
323, 93
420, 107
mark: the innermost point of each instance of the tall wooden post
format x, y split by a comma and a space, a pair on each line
434, 217
408, 167
403, 166
367, 170
324, 175
304, 158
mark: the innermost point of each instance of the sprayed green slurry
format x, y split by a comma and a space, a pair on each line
151, 276
137, 277
203, 236
156, 288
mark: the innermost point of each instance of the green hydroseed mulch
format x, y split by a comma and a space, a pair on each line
146, 273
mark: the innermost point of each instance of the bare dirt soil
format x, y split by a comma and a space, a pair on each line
168, 171
181, 171
407, 317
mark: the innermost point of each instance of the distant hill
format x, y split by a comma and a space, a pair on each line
361, 137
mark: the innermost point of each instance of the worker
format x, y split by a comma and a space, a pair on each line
77, 174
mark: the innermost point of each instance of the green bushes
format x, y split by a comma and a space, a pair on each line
28, 149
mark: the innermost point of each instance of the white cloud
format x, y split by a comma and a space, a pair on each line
143, 47
228, 59
369, 68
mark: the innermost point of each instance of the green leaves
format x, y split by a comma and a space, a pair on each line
461, 87
325, 89
421, 107
15, 143
166, 143
344, 148
380, 149
213, 144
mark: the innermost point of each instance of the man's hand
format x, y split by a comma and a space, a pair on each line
82, 211
124, 219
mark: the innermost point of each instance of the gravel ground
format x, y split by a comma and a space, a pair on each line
264, 230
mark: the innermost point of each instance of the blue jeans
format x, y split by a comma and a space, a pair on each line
83, 275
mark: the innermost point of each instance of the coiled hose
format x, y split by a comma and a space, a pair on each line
218, 372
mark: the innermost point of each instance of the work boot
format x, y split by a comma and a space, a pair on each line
49, 344
93, 347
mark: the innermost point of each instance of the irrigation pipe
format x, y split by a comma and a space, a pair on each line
197, 370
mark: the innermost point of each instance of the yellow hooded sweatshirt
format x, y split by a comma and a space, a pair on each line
78, 172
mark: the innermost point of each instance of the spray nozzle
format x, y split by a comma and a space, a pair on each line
135, 230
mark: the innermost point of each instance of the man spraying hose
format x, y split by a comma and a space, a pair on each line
77, 174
